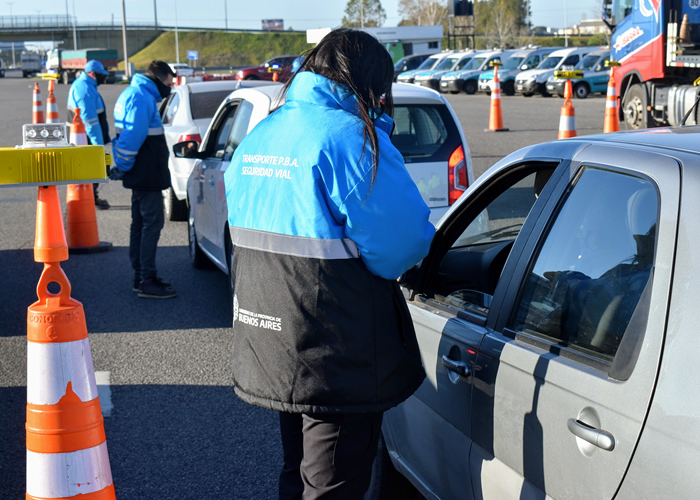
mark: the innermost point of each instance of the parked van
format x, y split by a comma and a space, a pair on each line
467, 78
595, 76
520, 61
454, 62
430, 63
535, 80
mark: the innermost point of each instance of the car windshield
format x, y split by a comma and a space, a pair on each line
512, 62
428, 63
549, 63
447, 62
587, 62
399, 64
205, 104
475, 63
461, 64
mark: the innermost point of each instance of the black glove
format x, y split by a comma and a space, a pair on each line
116, 174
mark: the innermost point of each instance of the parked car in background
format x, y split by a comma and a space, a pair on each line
521, 60
535, 80
408, 63
427, 133
186, 114
2, 69
556, 319
181, 69
595, 76
430, 62
454, 62
281, 66
467, 79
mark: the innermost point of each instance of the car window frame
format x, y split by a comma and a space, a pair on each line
420, 279
212, 137
526, 259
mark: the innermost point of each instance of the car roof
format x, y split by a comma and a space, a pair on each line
203, 87
570, 50
686, 139
402, 92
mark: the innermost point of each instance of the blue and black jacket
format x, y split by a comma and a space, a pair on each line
83, 95
139, 149
320, 324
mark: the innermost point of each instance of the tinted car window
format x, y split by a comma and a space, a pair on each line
238, 130
590, 275
223, 130
571, 61
424, 132
549, 63
531, 62
205, 104
171, 109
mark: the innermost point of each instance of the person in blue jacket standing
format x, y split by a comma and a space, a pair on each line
83, 95
324, 218
141, 162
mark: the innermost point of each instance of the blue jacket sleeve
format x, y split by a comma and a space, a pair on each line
389, 222
83, 97
133, 119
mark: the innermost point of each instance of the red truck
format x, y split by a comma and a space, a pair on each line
280, 65
68, 63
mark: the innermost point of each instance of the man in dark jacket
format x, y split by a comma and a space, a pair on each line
141, 161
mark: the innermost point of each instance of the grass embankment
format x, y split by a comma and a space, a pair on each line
221, 49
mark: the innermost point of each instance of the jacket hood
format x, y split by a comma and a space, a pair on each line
319, 90
147, 85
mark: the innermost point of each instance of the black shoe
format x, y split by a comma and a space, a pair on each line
156, 289
137, 284
101, 203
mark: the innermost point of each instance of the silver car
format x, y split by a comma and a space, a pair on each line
556, 315
427, 133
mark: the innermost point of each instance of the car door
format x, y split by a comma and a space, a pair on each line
429, 435
564, 381
601, 75
205, 218
217, 196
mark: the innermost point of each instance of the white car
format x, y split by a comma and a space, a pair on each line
181, 69
186, 114
427, 133
535, 80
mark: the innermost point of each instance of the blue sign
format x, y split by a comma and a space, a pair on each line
192, 54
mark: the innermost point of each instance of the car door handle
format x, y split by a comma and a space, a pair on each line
597, 437
459, 367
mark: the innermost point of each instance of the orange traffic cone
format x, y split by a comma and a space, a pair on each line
81, 219
66, 443
567, 120
77, 130
612, 106
51, 106
274, 76
495, 115
37, 106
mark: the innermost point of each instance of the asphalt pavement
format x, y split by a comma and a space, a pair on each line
174, 427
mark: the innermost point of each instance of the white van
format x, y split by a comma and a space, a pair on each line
535, 80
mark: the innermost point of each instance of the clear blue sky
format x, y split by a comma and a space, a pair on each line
247, 14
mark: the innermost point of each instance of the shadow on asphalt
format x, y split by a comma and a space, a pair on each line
103, 283
178, 442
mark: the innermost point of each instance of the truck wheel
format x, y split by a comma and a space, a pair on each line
581, 90
634, 108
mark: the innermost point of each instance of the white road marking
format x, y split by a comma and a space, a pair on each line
105, 392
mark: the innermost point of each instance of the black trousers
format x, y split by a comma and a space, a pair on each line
327, 456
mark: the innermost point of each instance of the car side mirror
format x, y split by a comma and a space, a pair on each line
186, 149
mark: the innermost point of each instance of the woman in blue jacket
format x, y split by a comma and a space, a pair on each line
324, 218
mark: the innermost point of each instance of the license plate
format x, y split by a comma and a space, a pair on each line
519, 87
443, 84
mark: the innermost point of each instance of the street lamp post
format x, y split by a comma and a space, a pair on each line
226, 12
566, 27
12, 19
75, 37
177, 42
127, 70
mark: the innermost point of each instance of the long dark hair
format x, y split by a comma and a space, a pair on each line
358, 61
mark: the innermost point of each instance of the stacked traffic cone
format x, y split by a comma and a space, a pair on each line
495, 115
66, 444
612, 106
274, 76
51, 106
77, 130
567, 120
81, 219
37, 106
